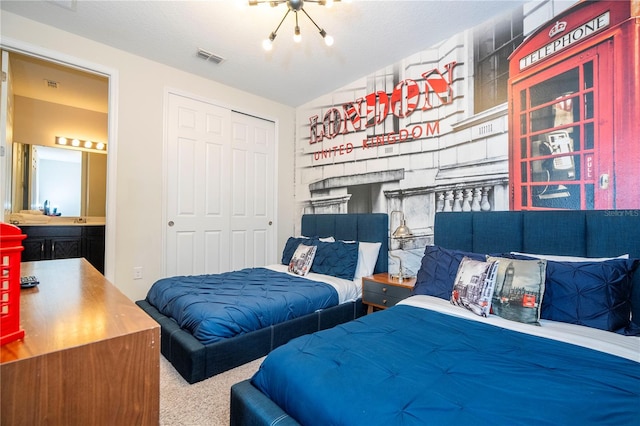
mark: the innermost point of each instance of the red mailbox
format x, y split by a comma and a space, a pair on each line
10, 251
574, 111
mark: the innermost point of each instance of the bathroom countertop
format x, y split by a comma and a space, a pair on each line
19, 219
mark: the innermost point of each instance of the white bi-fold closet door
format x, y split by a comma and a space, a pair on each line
220, 197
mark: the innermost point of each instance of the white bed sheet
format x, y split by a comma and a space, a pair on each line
600, 340
347, 290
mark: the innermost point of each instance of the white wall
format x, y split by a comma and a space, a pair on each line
137, 237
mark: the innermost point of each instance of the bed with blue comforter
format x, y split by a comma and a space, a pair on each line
207, 305
214, 322
414, 366
430, 361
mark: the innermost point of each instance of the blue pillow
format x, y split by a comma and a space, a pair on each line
290, 247
438, 270
593, 294
338, 259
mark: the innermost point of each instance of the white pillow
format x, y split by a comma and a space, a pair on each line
302, 259
324, 240
367, 259
557, 258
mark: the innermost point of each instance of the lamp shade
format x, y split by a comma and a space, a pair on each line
402, 231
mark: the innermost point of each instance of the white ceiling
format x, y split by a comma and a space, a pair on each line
50, 82
369, 35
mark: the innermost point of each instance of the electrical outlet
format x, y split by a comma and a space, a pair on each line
137, 273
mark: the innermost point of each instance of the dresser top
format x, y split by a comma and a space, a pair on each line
73, 305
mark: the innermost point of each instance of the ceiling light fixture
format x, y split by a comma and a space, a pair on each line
294, 6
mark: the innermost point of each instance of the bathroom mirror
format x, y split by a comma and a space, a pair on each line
71, 182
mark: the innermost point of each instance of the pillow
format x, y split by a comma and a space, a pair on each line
302, 259
593, 294
325, 239
337, 259
367, 259
290, 247
473, 285
557, 258
438, 270
519, 289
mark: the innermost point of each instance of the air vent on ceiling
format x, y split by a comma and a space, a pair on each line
208, 56
50, 84
67, 4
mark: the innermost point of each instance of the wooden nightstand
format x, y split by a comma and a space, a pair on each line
382, 291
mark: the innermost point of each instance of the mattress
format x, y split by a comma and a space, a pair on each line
219, 306
426, 361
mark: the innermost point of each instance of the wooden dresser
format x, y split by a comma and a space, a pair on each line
90, 356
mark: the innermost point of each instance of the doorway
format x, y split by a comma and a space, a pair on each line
62, 62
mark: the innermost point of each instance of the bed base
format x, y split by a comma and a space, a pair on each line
249, 406
196, 361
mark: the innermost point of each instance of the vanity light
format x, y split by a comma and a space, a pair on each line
82, 144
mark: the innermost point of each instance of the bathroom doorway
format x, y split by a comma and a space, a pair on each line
99, 99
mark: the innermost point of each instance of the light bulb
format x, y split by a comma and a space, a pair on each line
296, 35
267, 44
75, 142
328, 40
88, 144
62, 141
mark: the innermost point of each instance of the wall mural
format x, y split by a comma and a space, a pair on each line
409, 137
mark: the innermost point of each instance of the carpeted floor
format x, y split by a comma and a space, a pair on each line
202, 403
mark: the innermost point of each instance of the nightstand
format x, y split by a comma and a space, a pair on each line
382, 291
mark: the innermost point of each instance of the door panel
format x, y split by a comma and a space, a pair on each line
6, 135
197, 135
254, 197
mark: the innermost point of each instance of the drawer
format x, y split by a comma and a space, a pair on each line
383, 294
389, 290
380, 299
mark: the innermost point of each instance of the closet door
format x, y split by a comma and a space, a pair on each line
219, 189
252, 194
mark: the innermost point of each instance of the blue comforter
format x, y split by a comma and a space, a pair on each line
214, 307
412, 366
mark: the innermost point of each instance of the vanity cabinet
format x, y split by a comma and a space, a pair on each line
51, 242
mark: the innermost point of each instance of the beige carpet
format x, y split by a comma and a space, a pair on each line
202, 403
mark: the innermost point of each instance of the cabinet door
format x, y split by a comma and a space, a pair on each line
94, 246
66, 248
34, 249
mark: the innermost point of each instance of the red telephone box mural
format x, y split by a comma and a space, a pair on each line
574, 111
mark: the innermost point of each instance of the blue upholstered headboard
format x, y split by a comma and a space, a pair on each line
369, 227
587, 233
